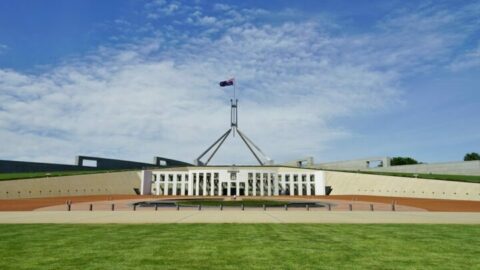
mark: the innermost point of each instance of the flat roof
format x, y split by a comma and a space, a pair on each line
186, 168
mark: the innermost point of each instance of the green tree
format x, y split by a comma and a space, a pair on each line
395, 161
471, 156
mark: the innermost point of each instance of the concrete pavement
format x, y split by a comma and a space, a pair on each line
238, 216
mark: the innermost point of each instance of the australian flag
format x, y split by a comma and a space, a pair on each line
227, 82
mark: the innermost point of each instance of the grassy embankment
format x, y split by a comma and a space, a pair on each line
448, 177
28, 175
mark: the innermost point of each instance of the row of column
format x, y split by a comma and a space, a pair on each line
298, 181
256, 184
187, 184
262, 184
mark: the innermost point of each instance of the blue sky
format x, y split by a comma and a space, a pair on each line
331, 79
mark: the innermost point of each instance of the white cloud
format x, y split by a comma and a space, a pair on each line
207, 20
415, 40
160, 8
159, 96
129, 106
470, 59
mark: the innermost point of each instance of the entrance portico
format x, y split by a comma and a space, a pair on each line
233, 180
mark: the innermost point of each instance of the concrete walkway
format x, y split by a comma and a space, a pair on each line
237, 216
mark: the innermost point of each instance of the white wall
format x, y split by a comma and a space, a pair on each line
460, 168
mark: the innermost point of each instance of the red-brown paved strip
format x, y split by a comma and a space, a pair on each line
428, 204
31, 204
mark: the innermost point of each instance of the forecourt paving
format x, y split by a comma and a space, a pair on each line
238, 216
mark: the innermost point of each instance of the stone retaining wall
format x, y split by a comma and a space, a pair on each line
88, 184
367, 184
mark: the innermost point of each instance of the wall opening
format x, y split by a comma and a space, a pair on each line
89, 163
374, 163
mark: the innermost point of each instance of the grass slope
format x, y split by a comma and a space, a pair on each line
13, 176
448, 177
239, 246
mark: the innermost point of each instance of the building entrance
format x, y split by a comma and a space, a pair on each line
233, 192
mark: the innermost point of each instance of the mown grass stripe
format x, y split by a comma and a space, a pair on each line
239, 246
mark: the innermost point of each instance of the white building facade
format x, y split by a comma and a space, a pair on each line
233, 180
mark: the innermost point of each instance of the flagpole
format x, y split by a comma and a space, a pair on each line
235, 102
257, 152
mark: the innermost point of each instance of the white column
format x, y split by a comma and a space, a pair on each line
237, 186
254, 183
215, 189
291, 177
309, 189
246, 186
182, 184
222, 177
174, 192
165, 184
229, 186
206, 180
197, 183
220, 187
204, 184
262, 184
300, 184
284, 182
190, 184
157, 184
212, 184
269, 184
275, 184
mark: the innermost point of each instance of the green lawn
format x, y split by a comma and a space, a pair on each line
449, 177
239, 246
13, 176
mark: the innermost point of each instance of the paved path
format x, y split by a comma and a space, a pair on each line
238, 216
359, 202
127, 205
